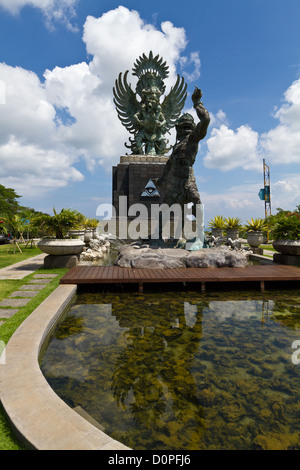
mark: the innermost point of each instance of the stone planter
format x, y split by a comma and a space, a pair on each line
59, 247
217, 232
287, 247
255, 238
233, 233
62, 253
77, 234
88, 235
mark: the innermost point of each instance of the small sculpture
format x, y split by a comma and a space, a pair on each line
147, 118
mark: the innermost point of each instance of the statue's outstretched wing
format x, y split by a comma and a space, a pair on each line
174, 102
126, 103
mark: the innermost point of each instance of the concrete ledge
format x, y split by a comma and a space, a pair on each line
262, 259
39, 417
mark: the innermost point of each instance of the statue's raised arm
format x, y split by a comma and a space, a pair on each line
201, 128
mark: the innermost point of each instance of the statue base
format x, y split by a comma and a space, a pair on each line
134, 178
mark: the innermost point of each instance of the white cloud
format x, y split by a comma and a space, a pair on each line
120, 36
195, 61
86, 90
282, 144
27, 113
34, 170
245, 148
33, 122
228, 149
53, 10
32, 157
285, 192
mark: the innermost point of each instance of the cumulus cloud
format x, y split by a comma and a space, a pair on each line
32, 157
120, 36
282, 144
34, 170
27, 112
229, 149
286, 192
245, 148
53, 10
70, 115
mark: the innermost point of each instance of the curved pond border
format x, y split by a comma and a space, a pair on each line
38, 416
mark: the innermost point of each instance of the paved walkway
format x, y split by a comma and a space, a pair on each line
20, 298
23, 268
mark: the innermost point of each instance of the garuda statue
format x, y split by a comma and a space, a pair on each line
146, 117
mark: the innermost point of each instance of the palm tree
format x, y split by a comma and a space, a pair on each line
15, 226
58, 224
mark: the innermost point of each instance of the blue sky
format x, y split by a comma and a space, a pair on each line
59, 131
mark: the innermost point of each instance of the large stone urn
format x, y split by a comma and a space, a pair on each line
255, 238
233, 233
217, 232
88, 235
289, 252
62, 253
287, 247
77, 233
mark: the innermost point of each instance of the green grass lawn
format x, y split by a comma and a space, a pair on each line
8, 441
7, 259
268, 247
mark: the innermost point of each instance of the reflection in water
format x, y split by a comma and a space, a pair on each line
154, 369
184, 371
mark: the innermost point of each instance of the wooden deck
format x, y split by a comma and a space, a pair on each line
118, 275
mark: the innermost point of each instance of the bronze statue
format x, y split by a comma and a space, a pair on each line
146, 117
178, 176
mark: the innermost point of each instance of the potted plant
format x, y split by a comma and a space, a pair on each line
232, 227
285, 232
254, 228
217, 225
57, 227
89, 228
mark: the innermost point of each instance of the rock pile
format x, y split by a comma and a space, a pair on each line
145, 256
96, 248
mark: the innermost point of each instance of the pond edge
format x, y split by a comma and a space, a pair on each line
39, 418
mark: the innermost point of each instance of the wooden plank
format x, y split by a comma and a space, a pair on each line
117, 274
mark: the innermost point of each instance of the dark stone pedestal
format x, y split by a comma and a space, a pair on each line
293, 260
134, 181
256, 250
132, 176
61, 261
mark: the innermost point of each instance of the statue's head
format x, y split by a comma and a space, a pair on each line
185, 125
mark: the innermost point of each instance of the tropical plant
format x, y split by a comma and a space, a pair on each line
233, 223
14, 225
286, 228
58, 224
255, 225
284, 225
217, 222
90, 223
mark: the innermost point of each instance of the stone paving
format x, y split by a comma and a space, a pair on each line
11, 305
23, 268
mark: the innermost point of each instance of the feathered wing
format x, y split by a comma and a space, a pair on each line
174, 102
126, 103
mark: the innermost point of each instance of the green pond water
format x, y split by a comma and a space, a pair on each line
181, 370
